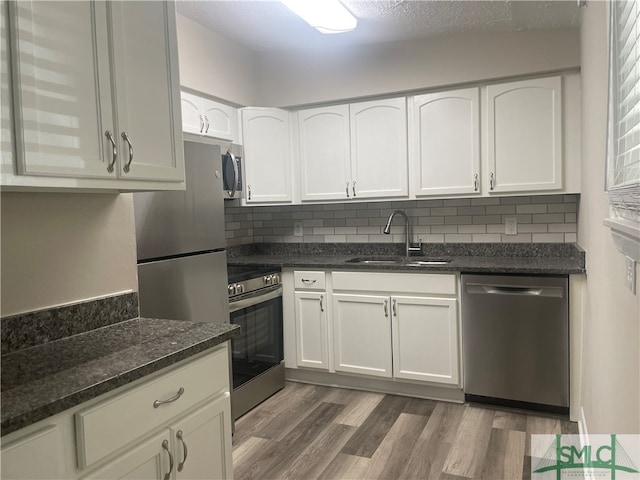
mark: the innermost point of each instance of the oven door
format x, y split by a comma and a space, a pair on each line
259, 346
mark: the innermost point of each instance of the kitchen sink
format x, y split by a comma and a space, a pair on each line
409, 262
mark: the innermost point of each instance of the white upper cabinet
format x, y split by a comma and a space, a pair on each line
192, 118
147, 91
445, 143
353, 151
96, 96
267, 155
379, 148
524, 136
62, 89
325, 169
202, 116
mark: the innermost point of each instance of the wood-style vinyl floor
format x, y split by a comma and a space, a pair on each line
313, 432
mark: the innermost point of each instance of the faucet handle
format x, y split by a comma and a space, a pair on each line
418, 248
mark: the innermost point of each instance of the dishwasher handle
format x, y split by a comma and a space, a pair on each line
484, 289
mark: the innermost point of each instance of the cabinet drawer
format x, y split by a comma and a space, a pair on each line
110, 425
430, 283
309, 280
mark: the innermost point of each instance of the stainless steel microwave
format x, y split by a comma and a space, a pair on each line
232, 172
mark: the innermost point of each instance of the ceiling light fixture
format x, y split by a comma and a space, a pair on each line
326, 16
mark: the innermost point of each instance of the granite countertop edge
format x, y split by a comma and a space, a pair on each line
14, 419
464, 264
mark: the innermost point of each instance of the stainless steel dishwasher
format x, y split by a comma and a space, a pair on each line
516, 340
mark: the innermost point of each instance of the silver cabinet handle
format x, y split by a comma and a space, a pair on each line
184, 450
165, 445
395, 313
249, 191
491, 181
308, 282
157, 403
125, 137
206, 119
321, 300
475, 182
347, 190
201, 123
386, 309
353, 188
115, 151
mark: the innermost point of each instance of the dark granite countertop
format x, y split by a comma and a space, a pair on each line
47, 379
468, 258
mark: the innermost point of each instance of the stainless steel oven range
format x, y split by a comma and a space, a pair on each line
257, 359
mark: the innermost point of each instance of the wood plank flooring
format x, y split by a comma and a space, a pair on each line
307, 432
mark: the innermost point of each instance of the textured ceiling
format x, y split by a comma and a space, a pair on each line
269, 25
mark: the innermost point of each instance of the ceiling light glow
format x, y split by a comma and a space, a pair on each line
326, 16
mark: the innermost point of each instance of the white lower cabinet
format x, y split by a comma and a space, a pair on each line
192, 448
310, 320
425, 339
311, 330
362, 334
174, 425
44, 445
389, 325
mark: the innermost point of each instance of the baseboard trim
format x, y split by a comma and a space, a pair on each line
447, 394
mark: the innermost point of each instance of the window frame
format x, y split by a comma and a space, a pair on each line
624, 199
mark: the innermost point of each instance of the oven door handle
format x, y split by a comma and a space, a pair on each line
234, 306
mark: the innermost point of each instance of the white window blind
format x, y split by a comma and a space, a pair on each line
623, 172
623, 149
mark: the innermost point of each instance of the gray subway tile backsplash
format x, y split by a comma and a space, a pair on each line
541, 218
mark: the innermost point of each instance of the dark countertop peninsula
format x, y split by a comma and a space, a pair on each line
52, 376
543, 258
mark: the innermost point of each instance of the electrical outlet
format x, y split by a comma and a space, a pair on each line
630, 278
511, 226
297, 229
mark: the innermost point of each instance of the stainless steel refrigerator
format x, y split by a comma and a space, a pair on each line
182, 263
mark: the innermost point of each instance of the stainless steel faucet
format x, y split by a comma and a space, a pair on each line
387, 230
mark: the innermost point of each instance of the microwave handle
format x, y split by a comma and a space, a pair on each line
234, 188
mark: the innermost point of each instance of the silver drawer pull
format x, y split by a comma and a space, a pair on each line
157, 403
386, 309
308, 282
184, 450
165, 445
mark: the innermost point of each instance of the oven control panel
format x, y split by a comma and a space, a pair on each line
259, 282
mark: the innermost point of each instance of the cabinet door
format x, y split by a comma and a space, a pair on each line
267, 155
19, 458
325, 168
362, 334
445, 143
192, 118
150, 459
220, 120
311, 330
425, 339
147, 89
379, 148
203, 442
524, 135
62, 89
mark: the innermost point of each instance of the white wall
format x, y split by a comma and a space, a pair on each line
297, 78
60, 248
611, 353
215, 65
